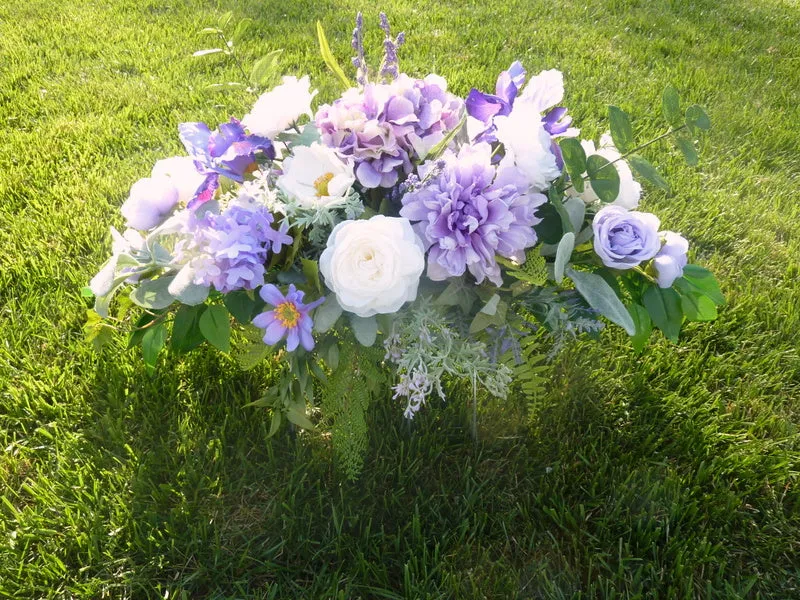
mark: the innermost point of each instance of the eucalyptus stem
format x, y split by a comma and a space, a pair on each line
229, 49
645, 145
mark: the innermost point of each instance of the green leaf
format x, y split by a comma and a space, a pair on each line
225, 19
86, 292
493, 313
215, 325
275, 424
241, 29
647, 172
152, 343
621, 130
241, 305
208, 51
563, 254
253, 354
576, 209
186, 334
139, 328
442, 145
153, 293
698, 307
603, 177
686, 146
703, 281
298, 417
696, 118
574, 158
331, 356
664, 308
365, 329
311, 271
264, 69
329, 58
643, 324
457, 293
602, 298
671, 106
326, 314
210, 30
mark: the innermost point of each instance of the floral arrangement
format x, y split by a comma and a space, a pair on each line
398, 239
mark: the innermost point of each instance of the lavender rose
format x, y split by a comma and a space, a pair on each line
671, 259
623, 239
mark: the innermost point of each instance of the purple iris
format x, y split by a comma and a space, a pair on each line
289, 319
485, 107
228, 151
471, 211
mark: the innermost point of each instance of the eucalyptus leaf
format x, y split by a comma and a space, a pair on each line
603, 177
574, 157
647, 172
563, 254
671, 106
686, 146
696, 118
621, 130
365, 329
264, 69
208, 51
602, 298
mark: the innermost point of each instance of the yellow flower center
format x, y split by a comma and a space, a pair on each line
287, 314
321, 184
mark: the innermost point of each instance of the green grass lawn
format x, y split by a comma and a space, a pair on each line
668, 475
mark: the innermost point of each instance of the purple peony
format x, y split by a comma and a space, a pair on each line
385, 127
623, 239
228, 250
288, 319
470, 211
228, 151
671, 258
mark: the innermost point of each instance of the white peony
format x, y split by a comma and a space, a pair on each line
528, 144
150, 202
316, 177
276, 110
629, 190
182, 173
373, 266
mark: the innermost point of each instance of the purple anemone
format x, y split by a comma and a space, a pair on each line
288, 319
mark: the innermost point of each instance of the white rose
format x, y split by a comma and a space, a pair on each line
276, 110
373, 266
629, 190
150, 202
182, 173
528, 144
316, 177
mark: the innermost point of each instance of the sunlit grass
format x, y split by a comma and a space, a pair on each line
669, 475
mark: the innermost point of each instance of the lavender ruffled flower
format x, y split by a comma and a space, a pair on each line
385, 127
229, 151
671, 259
288, 319
624, 239
227, 250
472, 211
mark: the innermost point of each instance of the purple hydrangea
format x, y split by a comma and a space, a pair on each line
385, 127
228, 250
228, 151
471, 211
624, 239
288, 319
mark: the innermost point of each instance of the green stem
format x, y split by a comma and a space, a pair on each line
645, 145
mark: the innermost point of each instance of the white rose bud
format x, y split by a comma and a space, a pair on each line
373, 266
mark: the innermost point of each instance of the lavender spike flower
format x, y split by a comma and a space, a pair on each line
359, 62
390, 68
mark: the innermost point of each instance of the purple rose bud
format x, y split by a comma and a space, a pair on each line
671, 259
150, 202
623, 239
